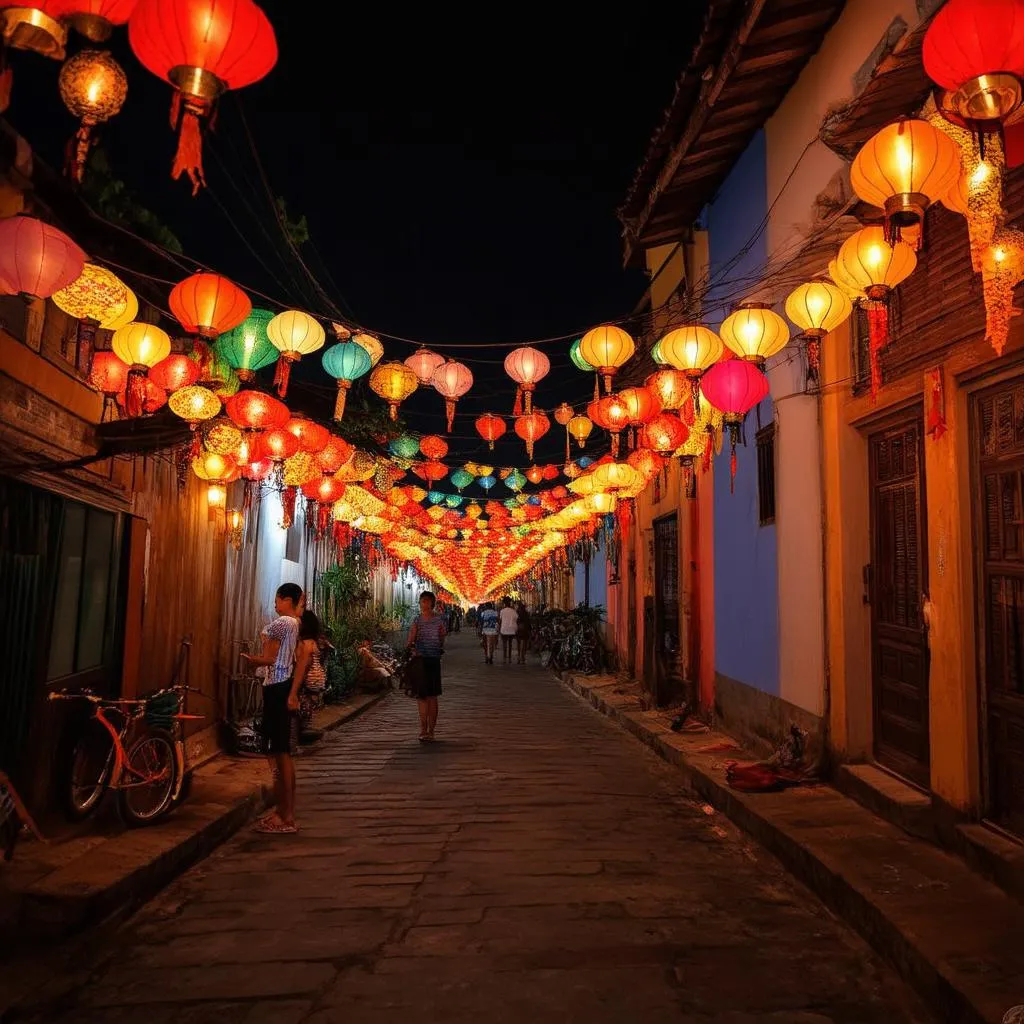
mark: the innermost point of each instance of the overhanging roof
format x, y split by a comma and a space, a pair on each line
748, 57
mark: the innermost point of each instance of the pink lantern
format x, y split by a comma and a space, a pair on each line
36, 259
527, 367
451, 380
423, 363
734, 387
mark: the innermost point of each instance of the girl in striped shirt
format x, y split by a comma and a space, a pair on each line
427, 638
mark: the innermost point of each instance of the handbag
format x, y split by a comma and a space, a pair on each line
411, 678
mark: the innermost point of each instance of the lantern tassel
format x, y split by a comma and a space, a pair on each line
84, 348
732, 467
567, 452
813, 359
196, 448
188, 159
135, 391
517, 408
77, 152
878, 338
393, 410
597, 387
528, 399
615, 445
323, 519
339, 401
282, 374
690, 478
449, 408
288, 496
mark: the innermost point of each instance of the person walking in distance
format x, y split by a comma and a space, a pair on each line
489, 631
523, 628
427, 639
280, 729
508, 625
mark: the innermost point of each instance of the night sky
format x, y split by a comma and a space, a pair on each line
459, 179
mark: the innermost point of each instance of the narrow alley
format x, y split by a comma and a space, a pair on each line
532, 864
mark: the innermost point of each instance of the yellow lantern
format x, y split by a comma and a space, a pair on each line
904, 168
299, 469
755, 332
692, 349
600, 503
216, 499
194, 404
606, 347
580, 427
847, 285
294, 334
140, 345
371, 344
394, 382
584, 485
866, 261
1002, 270
222, 437
615, 476
98, 298
93, 87
817, 308
213, 468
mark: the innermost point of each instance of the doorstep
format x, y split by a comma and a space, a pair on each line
954, 936
51, 890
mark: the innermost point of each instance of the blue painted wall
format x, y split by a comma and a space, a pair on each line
746, 575
598, 581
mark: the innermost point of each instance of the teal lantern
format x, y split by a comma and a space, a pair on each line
435, 497
345, 362
515, 481
578, 361
246, 348
405, 446
462, 478
452, 500
487, 482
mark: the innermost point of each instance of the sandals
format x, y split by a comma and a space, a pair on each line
273, 825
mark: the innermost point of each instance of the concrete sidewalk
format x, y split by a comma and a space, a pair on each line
51, 890
958, 939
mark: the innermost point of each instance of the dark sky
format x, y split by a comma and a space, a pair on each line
459, 178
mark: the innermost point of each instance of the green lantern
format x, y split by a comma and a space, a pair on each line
578, 360
247, 348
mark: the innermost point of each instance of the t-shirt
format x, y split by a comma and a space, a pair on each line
430, 634
509, 621
286, 629
489, 620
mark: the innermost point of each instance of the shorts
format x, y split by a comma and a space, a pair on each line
279, 728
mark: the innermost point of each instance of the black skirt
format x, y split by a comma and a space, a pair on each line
429, 683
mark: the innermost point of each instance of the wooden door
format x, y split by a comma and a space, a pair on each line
631, 659
998, 429
668, 677
898, 583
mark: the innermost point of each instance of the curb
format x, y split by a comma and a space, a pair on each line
954, 994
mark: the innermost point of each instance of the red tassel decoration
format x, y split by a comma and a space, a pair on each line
517, 408
196, 448
288, 496
323, 519
597, 387
528, 400
813, 359
185, 116
282, 374
449, 408
732, 468
878, 338
135, 391
615, 445
342, 536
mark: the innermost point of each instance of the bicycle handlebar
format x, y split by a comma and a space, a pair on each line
94, 698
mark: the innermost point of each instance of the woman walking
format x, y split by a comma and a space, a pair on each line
489, 631
523, 627
309, 671
508, 625
427, 639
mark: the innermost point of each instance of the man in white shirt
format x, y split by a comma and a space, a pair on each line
280, 728
508, 623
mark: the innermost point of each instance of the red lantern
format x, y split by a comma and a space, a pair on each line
277, 445
95, 19
335, 454
975, 50
490, 428
550, 473
326, 490
531, 428
451, 380
174, 372
535, 474
253, 410
734, 387
152, 397
672, 387
260, 469
202, 47
36, 259
527, 367
312, 437
208, 304
108, 374
612, 414
664, 434
431, 471
434, 447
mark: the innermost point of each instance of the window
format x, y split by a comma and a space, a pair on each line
84, 618
766, 475
861, 349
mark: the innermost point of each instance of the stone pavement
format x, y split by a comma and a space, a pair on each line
533, 864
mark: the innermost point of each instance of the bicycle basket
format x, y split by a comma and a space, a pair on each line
160, 710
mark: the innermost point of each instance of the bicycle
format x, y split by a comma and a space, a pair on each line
141, 756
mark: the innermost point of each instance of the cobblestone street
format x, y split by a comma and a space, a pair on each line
533, 864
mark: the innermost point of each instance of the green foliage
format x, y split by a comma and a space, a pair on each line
111, 199
296, 230
340, 586
368, 426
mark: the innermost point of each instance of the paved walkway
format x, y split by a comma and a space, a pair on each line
534, 864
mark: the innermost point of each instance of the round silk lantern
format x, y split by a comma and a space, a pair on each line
394, 382
490, 428
246, 348
141, 346
253, 410
208, 304
97, 298
36, 259
734, 387
607, 348
451, 380
345, 362
817, 308
93, 87
423, 363
94, 19
755, 332
294, 334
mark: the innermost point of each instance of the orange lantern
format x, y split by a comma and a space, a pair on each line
208, 304
174, 372
253, 410
608, 348
642, 405
903, 169
817, 308
434, 447
563, 414
451, 380
95, 19
202, 47
312, 437
580, 428
535, 474
335, 454
490, 428
664, 434
531, 427
672, 387
527, 367
611, 414
277, 445
755, 332
394, 382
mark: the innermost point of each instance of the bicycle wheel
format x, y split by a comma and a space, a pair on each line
92, 759
149, 779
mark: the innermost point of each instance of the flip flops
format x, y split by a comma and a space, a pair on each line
274, 826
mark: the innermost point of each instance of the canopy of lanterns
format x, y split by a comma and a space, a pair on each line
705, 384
